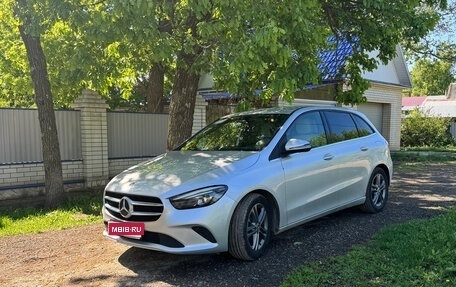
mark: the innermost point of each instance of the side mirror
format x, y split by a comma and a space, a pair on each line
297, 145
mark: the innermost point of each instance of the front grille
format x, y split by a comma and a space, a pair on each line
144, 208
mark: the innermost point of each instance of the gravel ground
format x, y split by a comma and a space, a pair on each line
83, 257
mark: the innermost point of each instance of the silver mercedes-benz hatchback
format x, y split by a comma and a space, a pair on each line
248, 176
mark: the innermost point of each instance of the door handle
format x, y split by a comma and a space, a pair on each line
364, 148
328, 156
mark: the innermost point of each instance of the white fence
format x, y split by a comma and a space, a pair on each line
94, 145
136, 134
20, 139
129, 135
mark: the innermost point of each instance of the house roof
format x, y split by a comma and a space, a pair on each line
412, 101
401, 68
440, 107
334, 59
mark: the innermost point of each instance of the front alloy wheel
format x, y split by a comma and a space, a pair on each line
376, 192
257, 227
251, 228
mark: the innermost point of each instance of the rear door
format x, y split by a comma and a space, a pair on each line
350, 152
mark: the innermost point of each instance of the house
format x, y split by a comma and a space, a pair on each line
438, 106
383, 105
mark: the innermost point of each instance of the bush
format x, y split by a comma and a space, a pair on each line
420, 128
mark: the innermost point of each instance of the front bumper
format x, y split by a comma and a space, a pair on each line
190, 231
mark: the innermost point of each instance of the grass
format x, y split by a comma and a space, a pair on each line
432, 149
424, 155
418, 253
417, 157
76, 211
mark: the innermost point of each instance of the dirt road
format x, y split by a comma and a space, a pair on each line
83, 257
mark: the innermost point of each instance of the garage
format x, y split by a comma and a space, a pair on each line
374, 111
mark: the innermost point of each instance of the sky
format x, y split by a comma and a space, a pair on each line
451, 20
438, 36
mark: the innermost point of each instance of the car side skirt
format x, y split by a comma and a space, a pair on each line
321, 214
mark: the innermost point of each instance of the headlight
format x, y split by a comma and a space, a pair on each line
199, 198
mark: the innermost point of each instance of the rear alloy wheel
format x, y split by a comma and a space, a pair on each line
376, 192
250, 228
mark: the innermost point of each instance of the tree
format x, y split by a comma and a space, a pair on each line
431, 77
29, 31
252, 46
254, 49
439, 43
378, 26
15, 84
188, 37
88, 61
272, 48
434, 56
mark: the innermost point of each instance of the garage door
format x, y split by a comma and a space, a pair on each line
374, 112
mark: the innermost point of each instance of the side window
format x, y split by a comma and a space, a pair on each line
309, 127
341, 126
364, 129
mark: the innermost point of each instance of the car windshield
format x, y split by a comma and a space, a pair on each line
250, 132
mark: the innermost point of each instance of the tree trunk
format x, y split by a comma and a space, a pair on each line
182, 106
43, 99
155, 89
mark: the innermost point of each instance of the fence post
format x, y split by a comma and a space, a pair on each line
94, 137
199, 115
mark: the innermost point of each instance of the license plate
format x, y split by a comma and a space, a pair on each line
128, 229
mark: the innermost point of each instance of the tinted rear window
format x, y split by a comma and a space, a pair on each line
364, 129
341, 126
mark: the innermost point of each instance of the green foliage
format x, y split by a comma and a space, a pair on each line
431, 77
419, 253
420, 128
77, 211
16, 88
80, 52
257, 44
248, 46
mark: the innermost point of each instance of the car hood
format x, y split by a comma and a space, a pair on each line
174, 169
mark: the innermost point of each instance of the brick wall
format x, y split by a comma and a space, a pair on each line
27, 179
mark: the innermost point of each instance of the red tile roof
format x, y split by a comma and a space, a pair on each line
412, 101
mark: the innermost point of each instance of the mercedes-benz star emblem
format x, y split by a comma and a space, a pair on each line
126, 207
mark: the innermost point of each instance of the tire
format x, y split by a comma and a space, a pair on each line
376, 192
250, 228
